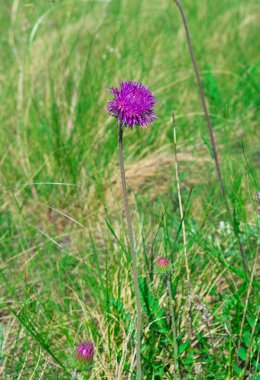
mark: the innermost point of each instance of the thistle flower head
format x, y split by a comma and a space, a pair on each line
163, 264
85, 351
132, 104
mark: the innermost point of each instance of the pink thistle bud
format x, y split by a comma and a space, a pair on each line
163, 263
85, 351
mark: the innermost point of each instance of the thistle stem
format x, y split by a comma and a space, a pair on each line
210, 129
173, 326
133, 254
74, 375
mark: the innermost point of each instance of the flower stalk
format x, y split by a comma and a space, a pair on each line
132, 105
133, 254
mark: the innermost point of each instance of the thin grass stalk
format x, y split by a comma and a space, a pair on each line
173, 326
123, 355
187, 282
210, 336
246, 303
133, 254
180, 201
203, 100
243, 375
210, 130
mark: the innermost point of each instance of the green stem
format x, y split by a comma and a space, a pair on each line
133, 254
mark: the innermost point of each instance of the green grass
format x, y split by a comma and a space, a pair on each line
65, 266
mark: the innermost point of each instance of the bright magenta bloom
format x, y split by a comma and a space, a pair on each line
85, 351
132, 104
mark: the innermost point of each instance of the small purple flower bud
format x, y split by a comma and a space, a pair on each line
163, 263
132, 104
85, 351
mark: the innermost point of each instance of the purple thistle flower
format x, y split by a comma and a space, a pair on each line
85, 351
132, 104
163, 263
